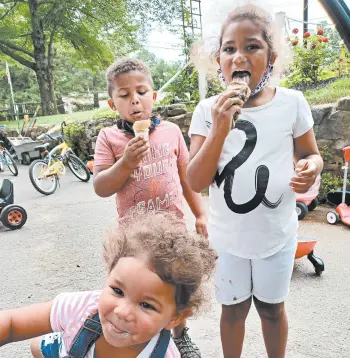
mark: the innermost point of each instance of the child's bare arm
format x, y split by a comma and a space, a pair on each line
204, 157
205, 152
24, 323
109, 179
308, 162
195, 202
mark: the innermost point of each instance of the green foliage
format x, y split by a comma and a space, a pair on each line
329, 94
330, 183
308, 62
341, 65
94, 31
24, 85
105, 113
185, 88
325, 152
74, 133
316, 58
161, 70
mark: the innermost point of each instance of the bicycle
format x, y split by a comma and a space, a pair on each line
47, 171
6, 159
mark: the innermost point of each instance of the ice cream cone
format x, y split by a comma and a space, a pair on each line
243, 93
141, 128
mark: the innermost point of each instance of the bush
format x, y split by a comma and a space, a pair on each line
74, 133
330, 183
310, 55
325, 152
185, 88
105, 113
79, 106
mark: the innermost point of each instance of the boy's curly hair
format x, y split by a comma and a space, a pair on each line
124, 66
179, 257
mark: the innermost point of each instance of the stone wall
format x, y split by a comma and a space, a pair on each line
332, 128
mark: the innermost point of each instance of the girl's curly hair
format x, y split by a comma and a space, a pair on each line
258, 16
205, 53
179, 257
120, 67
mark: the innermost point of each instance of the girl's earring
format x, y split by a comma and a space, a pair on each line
270, 68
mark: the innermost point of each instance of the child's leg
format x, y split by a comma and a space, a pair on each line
271, 280
274, 326
35, 345
233, 280
232, 327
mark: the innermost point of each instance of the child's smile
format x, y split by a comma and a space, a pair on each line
135, 304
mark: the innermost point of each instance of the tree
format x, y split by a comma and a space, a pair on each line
161, 70
97, 30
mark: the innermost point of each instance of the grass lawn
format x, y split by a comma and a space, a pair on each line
329, 94
56, 119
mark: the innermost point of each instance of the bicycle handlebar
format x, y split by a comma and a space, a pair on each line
60, 137
53, 138
49, 136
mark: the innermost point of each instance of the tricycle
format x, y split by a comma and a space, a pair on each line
12, 216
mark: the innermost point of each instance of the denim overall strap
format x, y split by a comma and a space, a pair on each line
162, 344
86, 337
92, 330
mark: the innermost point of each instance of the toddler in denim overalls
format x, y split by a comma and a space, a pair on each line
156, 268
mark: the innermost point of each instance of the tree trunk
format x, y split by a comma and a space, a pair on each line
41, 61
95, 92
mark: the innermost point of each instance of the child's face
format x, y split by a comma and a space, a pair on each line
133, 96
136, 304
244, 49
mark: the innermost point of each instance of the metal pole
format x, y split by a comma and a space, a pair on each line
184, 27
306, 15
172, 79
8, 74
346, 168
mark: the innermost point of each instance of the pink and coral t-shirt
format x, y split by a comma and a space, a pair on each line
155, 184
70, 311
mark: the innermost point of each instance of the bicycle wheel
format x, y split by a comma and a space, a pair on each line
78, 168
43, 184
10, 163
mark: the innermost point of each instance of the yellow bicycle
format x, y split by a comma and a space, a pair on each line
44, 173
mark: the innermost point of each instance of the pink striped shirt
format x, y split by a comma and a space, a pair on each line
69, 312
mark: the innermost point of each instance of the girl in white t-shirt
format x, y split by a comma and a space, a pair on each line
156, 269
250, 171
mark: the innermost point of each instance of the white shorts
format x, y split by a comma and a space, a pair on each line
268, 279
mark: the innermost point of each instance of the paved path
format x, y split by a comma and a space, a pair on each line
59, 249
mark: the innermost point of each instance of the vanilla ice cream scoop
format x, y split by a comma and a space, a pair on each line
141, 128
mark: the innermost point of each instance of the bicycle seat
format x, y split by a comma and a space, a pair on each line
42, 147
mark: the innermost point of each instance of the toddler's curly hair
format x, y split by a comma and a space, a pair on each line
120, 67
179, 257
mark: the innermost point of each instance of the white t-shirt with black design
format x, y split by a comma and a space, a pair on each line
252, 207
